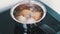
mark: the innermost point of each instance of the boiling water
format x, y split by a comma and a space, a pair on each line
28, 13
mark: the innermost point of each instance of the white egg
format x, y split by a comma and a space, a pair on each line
22, 19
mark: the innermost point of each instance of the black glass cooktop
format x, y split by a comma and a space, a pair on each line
49, 25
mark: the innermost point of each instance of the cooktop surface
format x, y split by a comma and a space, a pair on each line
49, 25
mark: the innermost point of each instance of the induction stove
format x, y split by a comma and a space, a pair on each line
49, 25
